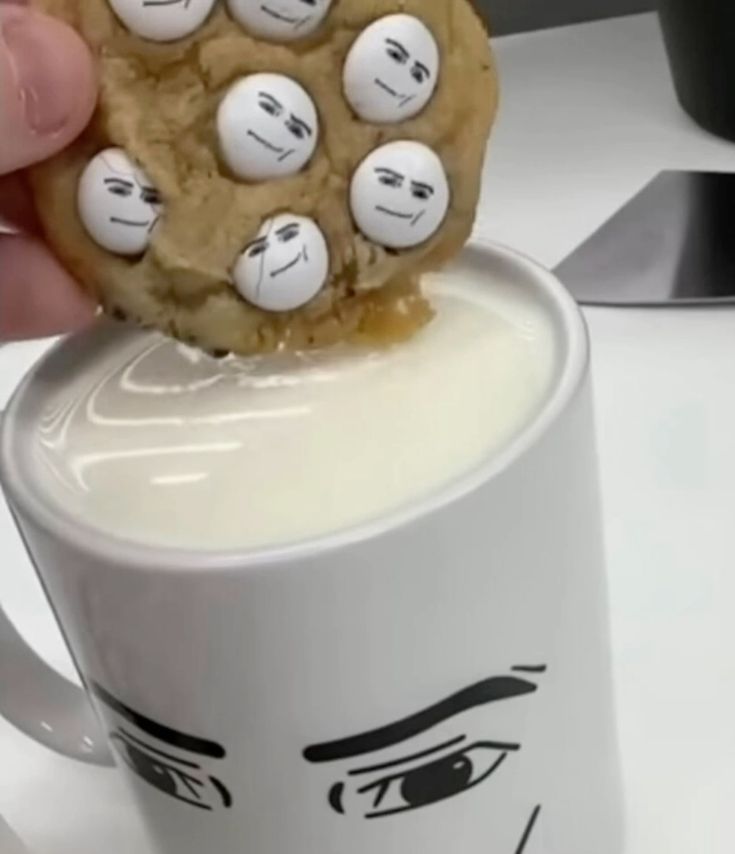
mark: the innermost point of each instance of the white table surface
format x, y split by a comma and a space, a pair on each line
588, 117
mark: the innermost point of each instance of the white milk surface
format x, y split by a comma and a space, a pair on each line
160, 444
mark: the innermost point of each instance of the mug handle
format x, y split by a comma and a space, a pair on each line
44, 705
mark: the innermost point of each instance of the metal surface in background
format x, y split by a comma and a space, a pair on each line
672, 244
512, 16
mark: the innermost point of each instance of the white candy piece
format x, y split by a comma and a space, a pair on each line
286, 266
268, 127
118, 204
400, 195
280, 20
162, 20
392, 70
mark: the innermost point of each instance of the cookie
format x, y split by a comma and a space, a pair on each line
276, 174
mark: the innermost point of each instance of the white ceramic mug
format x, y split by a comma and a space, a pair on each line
438, 681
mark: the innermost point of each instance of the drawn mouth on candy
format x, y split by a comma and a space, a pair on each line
166, 3
404, 99
284, 153
130, 222
415, 218
289, 266
279, 16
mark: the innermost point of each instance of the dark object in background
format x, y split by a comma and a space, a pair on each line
671, 245
700, 37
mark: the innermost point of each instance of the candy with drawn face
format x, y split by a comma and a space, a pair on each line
118, 204
286, 266
162, 20
392, 70
280, 20
268, 127
400, 195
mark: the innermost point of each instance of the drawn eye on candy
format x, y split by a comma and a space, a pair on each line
162, 20
118, 204
400, 195
280, 20
286, 265
392, 70
268, 127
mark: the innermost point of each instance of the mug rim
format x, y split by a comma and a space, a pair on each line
96, 543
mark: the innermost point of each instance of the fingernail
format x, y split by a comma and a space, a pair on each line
31, 48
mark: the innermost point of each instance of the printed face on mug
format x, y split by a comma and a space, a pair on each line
392, 70
162, 20
280, 20
268, 127
400, 195
462, 746
286, 266
118, 204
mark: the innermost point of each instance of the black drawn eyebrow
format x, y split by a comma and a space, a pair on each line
399, 46
159, 731
386, 171
423, 67
529, 668
125, 735
289, 227
424, 753
489, 691
122, 181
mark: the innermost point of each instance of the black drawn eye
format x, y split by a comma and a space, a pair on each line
389, 179
298, 128
422, 192
151, 196
120, 188
436, 781
269, 106
162, 773
418, 74
258, 248
309, 2
289, 233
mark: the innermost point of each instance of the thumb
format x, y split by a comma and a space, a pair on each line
47, 86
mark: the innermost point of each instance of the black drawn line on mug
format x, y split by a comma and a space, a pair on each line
384, 784
529, 830
223, 792
192, 743
530, 668
155, 750
396, 762
166, 772
488, 691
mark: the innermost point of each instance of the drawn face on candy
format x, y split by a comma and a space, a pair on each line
280, 20
400, 195
268, 127
162, 20
118, 204
392, 70
286, 266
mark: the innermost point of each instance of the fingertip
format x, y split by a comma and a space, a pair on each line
47, 82
38, 297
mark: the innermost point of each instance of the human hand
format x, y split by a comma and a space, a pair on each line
47, 95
